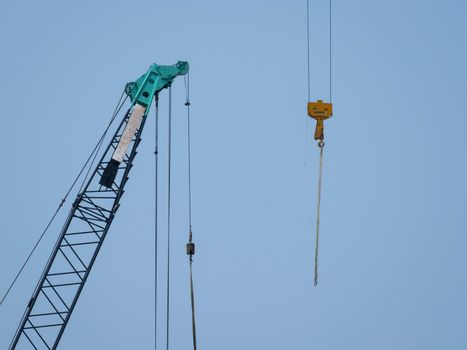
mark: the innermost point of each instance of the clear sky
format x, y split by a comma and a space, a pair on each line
392, 250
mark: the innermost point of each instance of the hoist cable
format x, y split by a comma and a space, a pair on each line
156, 207
192, 295
187, 104
318, 208
330, 51
168, 221
308, 44
321, 148
33, 249
308, 49
308, 74
320, 141
93, 153
190, 234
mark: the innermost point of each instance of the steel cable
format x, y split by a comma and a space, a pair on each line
93, 154
101, 140
190, 233
156, 207
168, 221
192, 297
330, 51
321, 141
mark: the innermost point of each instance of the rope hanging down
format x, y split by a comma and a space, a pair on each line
318, 208
320, 111
190, 247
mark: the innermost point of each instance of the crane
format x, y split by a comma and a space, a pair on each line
89, 220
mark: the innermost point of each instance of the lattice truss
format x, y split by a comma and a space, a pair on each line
75, 251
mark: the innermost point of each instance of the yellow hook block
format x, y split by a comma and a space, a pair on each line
320, 111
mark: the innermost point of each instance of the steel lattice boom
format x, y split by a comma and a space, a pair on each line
75, 252
88, 222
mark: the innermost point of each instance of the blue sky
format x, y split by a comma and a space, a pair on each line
392, 257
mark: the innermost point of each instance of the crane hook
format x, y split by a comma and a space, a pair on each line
320, 111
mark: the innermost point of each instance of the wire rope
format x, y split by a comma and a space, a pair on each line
93, 153
330, 51
168, 221
320, 141
308, 44
188, 104
101, 140
308, 77
156, 207
190, 251
192, 298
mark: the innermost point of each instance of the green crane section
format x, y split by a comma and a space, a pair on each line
156, 78
141, 93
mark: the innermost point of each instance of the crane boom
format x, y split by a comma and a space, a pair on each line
89, 220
